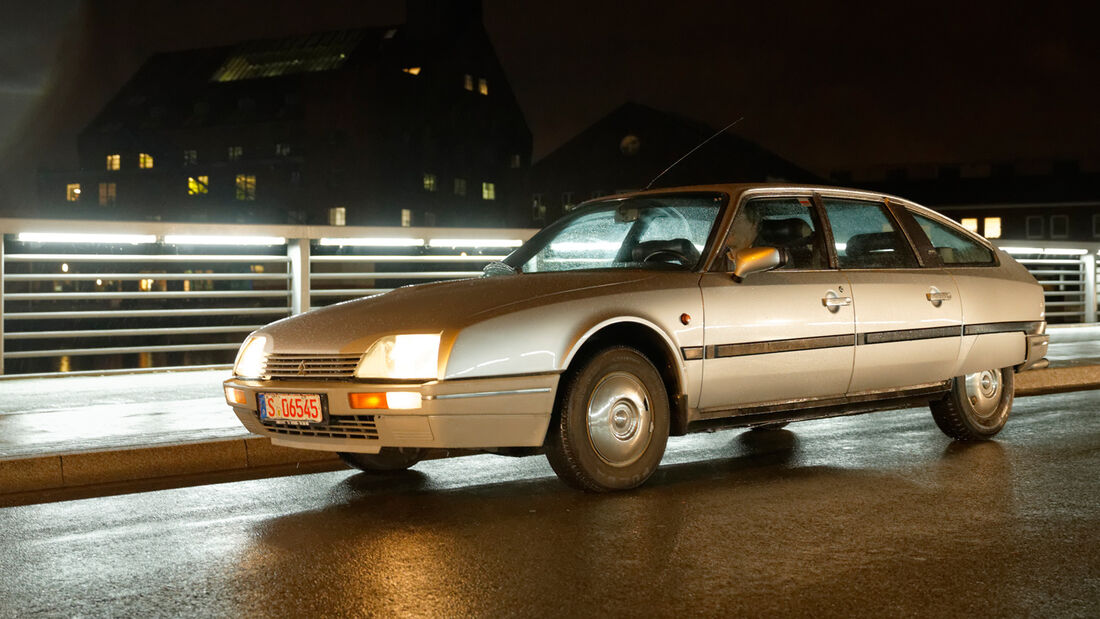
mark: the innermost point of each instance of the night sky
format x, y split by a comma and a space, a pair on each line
828, 85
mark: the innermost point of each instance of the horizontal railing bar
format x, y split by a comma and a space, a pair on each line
1058, 282
140, 276
1054, 272
1063, 303
348, 292
113, 372
376, 258
213, 311
1064, 293
396, 275
118, 350
142, 258
1060, 314
38, 335
172, 294
1067, 261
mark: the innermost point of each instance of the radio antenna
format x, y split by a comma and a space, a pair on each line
701, 144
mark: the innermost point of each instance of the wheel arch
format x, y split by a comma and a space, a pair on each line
651, 341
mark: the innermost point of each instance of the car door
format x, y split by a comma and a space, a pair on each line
908, 318
781, 335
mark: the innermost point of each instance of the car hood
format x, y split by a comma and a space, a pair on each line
352, 326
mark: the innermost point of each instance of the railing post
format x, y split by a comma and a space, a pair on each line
298, 252
1088, 265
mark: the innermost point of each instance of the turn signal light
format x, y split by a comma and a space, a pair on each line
235, 396
388, 399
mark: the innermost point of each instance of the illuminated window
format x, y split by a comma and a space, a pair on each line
282, 149
198, 185
406, 218
483, 86
107, 194
488, 191
992, 227
429, 182
337, 216
235, 152
460, 186
114, 162
1059, 226
468, 82
1034, 227
412, 70
246, 186
72, 192
970, 223
190, 157
145, 161
515, 162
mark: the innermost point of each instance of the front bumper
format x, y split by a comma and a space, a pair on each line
511, 411
1036, 352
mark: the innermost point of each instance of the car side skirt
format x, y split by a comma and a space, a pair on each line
818, 408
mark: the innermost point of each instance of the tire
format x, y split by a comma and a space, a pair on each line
612, 424
769, 426
978, 405
388, 459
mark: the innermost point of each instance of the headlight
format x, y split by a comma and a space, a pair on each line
250, 359
401, 356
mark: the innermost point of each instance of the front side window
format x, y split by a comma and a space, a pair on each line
785, 223
666, 232
953, 246
866, 236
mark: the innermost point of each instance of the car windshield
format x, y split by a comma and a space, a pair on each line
667, 232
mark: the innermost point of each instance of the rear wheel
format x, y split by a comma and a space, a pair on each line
388, 459
613, 422
978, 405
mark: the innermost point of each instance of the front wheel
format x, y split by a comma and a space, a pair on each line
388, 459
612, 425
977, 406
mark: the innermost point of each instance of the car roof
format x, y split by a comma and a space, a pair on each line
736, 189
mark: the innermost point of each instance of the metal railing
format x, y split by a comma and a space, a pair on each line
110, 296
131, 295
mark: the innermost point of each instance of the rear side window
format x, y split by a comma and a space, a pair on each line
953, 246
866, 237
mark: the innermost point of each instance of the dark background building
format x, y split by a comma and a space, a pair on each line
413, 124
632, 145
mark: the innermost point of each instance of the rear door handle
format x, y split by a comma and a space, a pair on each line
938, 297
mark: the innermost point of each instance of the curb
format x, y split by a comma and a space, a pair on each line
77, 470
1057, 380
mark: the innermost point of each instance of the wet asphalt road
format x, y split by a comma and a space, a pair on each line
872, 515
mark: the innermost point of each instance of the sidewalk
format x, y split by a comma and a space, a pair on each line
68, 432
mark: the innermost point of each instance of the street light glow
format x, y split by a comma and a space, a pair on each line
475, 243
72, 237
391, 241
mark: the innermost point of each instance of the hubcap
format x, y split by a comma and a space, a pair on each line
984, 391
620, 419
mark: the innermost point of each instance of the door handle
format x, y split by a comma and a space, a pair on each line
834, 303
937, 297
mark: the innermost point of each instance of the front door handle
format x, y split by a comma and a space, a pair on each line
833, 303
936, 298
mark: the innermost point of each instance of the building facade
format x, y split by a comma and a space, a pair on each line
413, 124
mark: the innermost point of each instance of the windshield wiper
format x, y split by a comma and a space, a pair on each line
498, 268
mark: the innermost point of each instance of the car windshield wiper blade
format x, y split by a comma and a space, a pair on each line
498, 268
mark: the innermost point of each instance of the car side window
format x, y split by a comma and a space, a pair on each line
953, 246
786, 223
866, 237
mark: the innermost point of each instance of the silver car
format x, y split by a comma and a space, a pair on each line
654, 314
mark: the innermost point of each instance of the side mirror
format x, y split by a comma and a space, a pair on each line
757, 260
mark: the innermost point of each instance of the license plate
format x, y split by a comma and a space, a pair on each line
300, 409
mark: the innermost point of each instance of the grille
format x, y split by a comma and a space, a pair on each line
343, 426
310, 366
